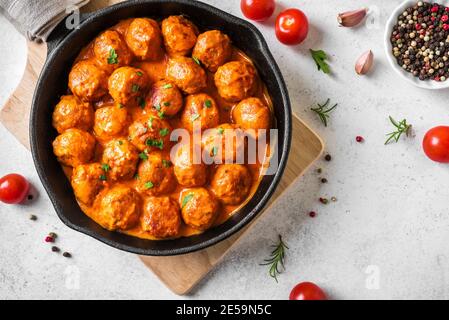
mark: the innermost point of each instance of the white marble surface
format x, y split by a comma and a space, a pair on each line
391, 217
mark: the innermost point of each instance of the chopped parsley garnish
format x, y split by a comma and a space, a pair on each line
155, 143
142, 102
150, 122
208, 103
163, 132
157, 107
149, 185
167, 86
214, 151
166, 163
121, 106
167, 104
105, 167
136, 176
195, 116
186, 199
196, 60
220, 130
139, 73
120, 142
161, 114
143, 156
135, 87
113, 57
103, 177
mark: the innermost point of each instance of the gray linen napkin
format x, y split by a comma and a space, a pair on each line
36, 19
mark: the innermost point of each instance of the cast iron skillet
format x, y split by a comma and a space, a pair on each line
64, 46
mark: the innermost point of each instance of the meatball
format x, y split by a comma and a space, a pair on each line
186, 74
155, 174
111, 121
235, 80
161, 217
87, 81
199, 208
189, 170
179, 35
231, 183
165, 97
119, 208
225, 143
200, 109
252, 113
86, 182
128, 85
72, 113
74, 147
144, 39
150, 133
213, 49
111, 51
121, 158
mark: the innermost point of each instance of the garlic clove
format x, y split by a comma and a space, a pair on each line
351, 18
364, 63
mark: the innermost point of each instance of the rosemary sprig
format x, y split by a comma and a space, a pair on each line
401, 127
277, 257
323, 111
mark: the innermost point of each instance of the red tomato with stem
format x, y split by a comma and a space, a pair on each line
13, 188
436, 144
307, 291
258, 10
292, 26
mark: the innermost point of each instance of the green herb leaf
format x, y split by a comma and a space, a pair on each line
105, 167
167, 86
214, 151
186, 199
208, 103
319, 56
135, 87
323, 111
150, 122
277, 257
163, 132
166, 163
166, 104
139, 73
155, 143
401, 127
103, 177
196, 60
142, 102
120, 142
157, 107
149, 185
121, 106
195, 116
136, 176
161, 114
143, 156
220, 130
113, 57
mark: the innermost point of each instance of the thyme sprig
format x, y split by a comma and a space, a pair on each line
401, 127
323, 111
277, 257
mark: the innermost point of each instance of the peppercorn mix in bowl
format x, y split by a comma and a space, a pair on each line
417, 43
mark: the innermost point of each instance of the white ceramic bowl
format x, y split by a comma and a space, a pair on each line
427, 84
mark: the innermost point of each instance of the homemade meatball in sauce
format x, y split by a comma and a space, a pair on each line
111, 51
150, 133
121, 158
143, 37
128, 85
252, 113
186, 74
202, 110
231, 183
199, 208
189, 170
111, 121
161, 217
155, 174
70, 113
86, 182
74, 147
179, 35
119, 208
235, 80
165, 97
87, 81
213, 49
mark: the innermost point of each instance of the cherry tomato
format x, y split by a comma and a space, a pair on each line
307, 291
13, 188
258, 10
436, 144
292, 26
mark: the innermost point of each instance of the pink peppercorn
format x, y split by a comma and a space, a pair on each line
446, 27
434, 9
312, 214
359, 139
446, 9
432, 18
437, 78
418, 26
445, 18
49, 239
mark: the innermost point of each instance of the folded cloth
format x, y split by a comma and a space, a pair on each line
36, 19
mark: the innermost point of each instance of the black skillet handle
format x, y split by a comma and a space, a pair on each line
63, 29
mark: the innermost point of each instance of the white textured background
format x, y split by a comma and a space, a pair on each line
392, 210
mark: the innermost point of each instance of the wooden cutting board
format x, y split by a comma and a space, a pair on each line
179, 273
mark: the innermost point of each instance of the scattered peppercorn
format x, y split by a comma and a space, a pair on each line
333, 199
328, 157
30, 197
420, 41
323, 180
312, 214
359, 139
55, 249
53, 235
67, 255
324, 200
49, 239
319, 170
33, 217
